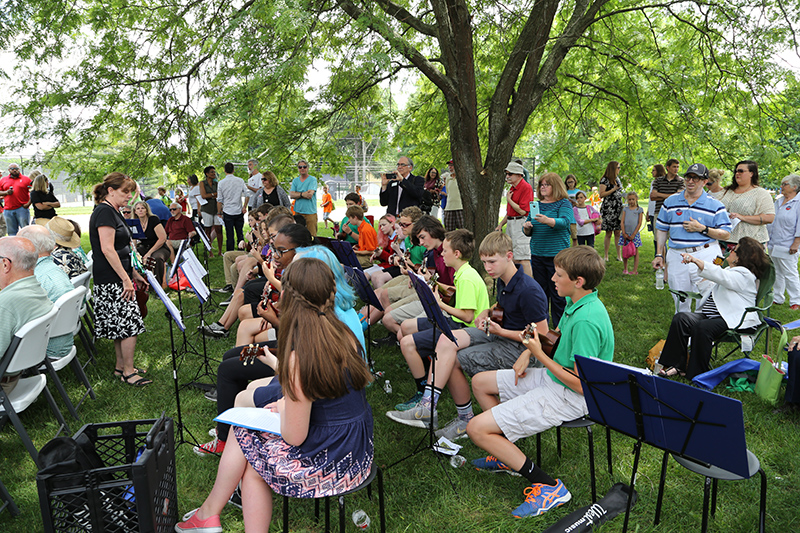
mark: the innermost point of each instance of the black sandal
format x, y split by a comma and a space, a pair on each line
119, 373
143, 382
671, 372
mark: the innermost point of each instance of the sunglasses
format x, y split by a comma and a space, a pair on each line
403, 225
741, 170
174, 209
302, 166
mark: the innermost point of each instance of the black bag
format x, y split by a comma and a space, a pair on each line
65, 455
583, 520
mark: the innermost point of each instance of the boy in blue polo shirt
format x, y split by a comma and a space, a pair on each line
525, 401
472, 299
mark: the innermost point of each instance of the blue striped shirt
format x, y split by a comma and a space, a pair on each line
706, 210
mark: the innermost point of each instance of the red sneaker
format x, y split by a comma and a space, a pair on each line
794, 307
213, 446
195, 525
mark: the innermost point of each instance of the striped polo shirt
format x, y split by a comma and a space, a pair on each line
665, 186
706, 210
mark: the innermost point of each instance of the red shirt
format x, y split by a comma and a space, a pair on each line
20, 196
179, 229
521, 194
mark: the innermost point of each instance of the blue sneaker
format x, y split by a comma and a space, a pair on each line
540, 498
410, 404
491, 464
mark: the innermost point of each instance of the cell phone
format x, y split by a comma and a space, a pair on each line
534, 209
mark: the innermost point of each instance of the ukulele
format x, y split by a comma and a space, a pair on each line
549, 341
150, 264
495, 315
447, 293
251, 351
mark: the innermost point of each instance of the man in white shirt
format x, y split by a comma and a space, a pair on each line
254, 183
229, 205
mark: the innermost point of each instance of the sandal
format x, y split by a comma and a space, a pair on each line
118, 373
671, 372
142, 382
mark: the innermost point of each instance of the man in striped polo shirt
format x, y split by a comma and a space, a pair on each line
693, 222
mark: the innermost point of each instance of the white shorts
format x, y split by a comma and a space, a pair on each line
685, 277
521, 242
535, 404
210, 220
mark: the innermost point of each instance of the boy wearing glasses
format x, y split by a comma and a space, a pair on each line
304, 192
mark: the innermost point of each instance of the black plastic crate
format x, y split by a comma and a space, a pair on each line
136, 491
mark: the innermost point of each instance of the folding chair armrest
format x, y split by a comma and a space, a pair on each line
683, 295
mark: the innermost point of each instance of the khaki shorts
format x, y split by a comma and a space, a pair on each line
535, 404
398, 288
521, 242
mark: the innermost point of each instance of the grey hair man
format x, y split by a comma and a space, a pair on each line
254, 181
22, 299
52, 279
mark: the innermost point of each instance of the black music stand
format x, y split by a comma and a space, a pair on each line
344, 252
205, 369
201, 233
674, 417
438, 321
359, 281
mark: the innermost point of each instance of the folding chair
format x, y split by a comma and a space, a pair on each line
68, 323
86, 330
734, 335
8, 501
28, 351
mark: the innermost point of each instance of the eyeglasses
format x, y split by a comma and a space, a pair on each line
402, 165
278, 252
4, 257
302, 166
741, 170
544, 184
404, 224
693, 177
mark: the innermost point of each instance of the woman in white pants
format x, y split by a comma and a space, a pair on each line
784, 241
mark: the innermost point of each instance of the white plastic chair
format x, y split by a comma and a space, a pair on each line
67, 322
28, 351
86, 330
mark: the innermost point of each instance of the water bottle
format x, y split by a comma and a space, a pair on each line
360, 519
457, 461
660, 279
387, 387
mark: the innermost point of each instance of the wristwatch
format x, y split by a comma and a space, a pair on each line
705, 231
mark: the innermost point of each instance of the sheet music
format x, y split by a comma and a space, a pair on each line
178, 256
173, 311
252, 418
194, 273
202, 234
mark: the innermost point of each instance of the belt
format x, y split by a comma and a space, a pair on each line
692, 249
517, 218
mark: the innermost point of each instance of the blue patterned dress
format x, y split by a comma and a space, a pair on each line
335, 457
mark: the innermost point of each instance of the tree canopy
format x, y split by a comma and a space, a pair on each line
164, 88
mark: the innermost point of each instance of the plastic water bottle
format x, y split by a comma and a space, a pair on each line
660, 279
361, 519
457, 461
387, 387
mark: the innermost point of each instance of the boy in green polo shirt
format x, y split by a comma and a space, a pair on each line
472, 299
523, 401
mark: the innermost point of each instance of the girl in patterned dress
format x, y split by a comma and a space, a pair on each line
325, 447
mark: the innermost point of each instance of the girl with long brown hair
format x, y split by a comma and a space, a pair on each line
326, 422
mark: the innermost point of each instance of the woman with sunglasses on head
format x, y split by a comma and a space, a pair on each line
748, 203
271, 192
154, 245
733, 290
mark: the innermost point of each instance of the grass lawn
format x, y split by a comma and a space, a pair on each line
419, 495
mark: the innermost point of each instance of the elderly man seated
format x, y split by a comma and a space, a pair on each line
179, 228
52, 279
22, 298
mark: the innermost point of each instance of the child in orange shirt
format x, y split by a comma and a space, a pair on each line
365, 236
326, 205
